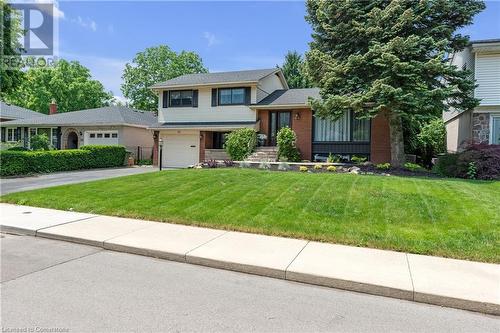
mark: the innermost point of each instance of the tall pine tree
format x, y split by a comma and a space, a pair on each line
389, 56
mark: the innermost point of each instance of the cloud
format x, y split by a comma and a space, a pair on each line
211, 39
56, 12
85, 23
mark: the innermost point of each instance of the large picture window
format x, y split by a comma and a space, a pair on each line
181, 98
345, 129
232, 96
326, 130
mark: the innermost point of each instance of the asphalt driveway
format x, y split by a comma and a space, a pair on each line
11, 185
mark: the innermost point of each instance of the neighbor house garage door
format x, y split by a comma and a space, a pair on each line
180, 150
101, 138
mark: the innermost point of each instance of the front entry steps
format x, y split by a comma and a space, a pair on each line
264, 154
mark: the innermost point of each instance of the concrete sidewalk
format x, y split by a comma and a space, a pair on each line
455, 283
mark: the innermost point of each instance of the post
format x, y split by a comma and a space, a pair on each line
161, 152
138, 153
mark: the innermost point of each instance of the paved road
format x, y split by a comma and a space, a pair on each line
60, 178
52, 284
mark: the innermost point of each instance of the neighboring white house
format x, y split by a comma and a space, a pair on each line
481, 125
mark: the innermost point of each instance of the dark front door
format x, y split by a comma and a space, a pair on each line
278, 120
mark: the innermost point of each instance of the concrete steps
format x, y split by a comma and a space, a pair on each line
264, 154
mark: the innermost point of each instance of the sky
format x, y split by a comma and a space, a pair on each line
105, 35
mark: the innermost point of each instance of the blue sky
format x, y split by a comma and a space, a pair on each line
104, 35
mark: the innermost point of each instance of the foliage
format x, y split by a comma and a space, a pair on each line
69, 83
294, 71
283, 166
331, 168
212, 164
155, 65
479, 160
383, 166
471, 170
241, 143
412, 167
18, 148
14, 163
333, 158
389, 56
228, 163
40, 142
432, 139
287, 150
265, 165
10, 34
358, 159
318, 166
303, 168
145, 162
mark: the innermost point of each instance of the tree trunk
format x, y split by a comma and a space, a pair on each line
397, 143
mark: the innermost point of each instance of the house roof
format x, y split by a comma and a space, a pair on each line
485, 41
285, 97
247, 76
10, 111
109, 115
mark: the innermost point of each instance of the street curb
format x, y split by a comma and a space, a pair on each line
284, 274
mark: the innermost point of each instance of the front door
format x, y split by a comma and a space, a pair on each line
278, 120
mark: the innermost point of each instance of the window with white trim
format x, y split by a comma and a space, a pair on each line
12, 135
495, 130
326, 130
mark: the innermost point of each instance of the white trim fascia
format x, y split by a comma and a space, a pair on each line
207, 85
280, 106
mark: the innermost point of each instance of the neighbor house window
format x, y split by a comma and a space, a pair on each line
12, 135
327, 130
181, 98
232, 96
495, 130
92, 135
99, 135
114, 135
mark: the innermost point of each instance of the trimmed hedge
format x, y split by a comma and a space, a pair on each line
15, 163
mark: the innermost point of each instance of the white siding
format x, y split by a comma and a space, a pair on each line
205, 112
267, 85
488, 78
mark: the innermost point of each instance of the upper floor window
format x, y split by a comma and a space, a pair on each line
181, 98
232, 96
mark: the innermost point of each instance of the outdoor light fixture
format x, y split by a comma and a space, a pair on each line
160, 144
297, 116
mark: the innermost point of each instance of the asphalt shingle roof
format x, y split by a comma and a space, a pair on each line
214, 78
110, 115
9, 111
290, 96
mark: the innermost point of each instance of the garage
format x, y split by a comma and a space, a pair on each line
101, 138
180, 150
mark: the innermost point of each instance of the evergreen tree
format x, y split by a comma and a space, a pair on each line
294, 70
390, 57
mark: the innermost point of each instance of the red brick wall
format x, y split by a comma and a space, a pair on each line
380, 139
301, 126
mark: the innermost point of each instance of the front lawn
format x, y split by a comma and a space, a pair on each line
444, 217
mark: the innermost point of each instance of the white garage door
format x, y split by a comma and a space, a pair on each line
180, 150
101, 138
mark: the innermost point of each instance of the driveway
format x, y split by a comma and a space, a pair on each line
52, 284
11, 185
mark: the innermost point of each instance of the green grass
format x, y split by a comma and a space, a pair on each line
444, 217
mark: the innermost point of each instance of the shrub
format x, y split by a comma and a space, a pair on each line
318, 167
432, 139
287, 150
446, 165
40, 142
265, 165
18, 148
472, 170
283, 166
212, 164
333, 158
228, 163
331, 168
145, 162
383, 166
358, 159
28, 162
303, 168
412, 167
240, 143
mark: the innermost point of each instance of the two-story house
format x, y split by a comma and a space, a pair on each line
482, 124
196, 110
